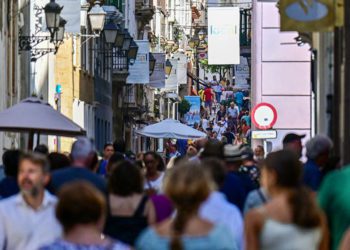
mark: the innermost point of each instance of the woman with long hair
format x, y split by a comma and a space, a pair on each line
187, 186
129, 209
291, 219
154, 173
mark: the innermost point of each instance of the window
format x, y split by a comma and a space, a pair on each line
130, 94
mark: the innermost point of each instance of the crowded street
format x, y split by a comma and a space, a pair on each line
174, 125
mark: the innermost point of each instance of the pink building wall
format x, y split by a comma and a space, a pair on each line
281, 72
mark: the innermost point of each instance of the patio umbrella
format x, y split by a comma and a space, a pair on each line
36, 116
170, 128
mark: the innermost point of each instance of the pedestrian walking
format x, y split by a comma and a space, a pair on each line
187, 186
249, 165
217, 89
208, 98
229, 135
233, 111
237, 185
333, 198
82, 155
259, 154
108, 151
293, 142
229, 214
221, 113
291, 219
27, 219
317, 152
153, 177
239, 99
81, 210
129, 209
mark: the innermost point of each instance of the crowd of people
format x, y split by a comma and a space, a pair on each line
225, 112
216, 196
211, 193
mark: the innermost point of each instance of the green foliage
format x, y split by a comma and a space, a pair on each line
219, 69
184, 107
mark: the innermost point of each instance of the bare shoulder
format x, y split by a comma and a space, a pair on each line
149, 206
163, 228
255, 218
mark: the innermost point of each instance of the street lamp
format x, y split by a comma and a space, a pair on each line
52, 15
127, 40
119, 41
59, 35
168, 67
152, 63
110, 30
132, 52
97, 18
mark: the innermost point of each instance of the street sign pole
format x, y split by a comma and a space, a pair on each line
264, 117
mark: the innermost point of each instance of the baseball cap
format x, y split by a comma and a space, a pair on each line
292, 137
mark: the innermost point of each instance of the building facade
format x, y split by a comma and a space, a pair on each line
281, 73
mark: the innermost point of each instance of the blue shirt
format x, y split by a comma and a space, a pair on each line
182, 146
8, 187
217, 239
237, 187
239, 97
217, 88
247, 119
102, 169
70, 174
312, 175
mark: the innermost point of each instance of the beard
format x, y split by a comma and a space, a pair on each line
34, 191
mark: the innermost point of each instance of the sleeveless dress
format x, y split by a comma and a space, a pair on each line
216, 239
276, 235
127, 228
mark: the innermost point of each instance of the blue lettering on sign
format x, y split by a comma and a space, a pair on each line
222, 30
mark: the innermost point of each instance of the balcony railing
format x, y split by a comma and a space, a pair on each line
117, 3
120, 62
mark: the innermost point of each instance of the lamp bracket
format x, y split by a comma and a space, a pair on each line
27, 43
36, 53
88, 36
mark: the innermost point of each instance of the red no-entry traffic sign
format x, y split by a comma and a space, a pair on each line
264, 116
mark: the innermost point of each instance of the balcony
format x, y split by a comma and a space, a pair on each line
144, 11
120, 67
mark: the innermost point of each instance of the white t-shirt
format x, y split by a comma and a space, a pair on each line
156, 184
205, 124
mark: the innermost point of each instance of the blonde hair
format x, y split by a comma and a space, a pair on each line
187, 186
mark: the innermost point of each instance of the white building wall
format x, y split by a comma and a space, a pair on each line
9, 67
